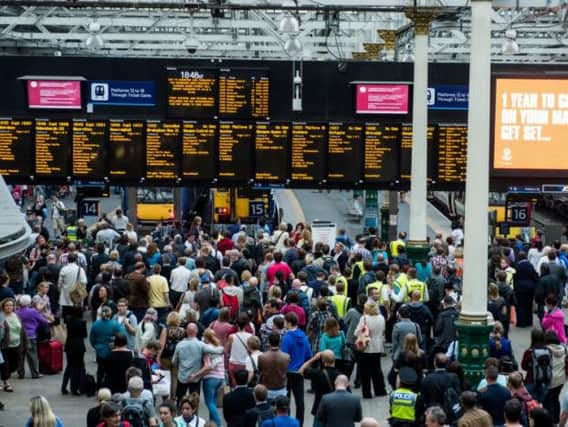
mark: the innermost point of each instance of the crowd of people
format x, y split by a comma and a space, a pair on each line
240, 319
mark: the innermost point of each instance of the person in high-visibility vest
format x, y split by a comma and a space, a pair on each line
393, 246
383, 288
339, 278
416, 285
404, 401
341, 301
71, 233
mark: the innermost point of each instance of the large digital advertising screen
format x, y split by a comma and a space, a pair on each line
531, 121
381, 98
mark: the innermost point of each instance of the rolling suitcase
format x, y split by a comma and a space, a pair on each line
50, 356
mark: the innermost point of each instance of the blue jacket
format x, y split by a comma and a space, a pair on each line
102, 334
296, 344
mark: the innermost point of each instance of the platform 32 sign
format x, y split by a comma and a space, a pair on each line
448, 97
115, 92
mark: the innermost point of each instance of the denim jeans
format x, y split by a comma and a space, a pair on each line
273, 394
537, 392
210, 388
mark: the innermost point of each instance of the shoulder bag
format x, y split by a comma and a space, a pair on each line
363, 337
78, 292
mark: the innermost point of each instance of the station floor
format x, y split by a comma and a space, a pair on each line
299, 206
73, 409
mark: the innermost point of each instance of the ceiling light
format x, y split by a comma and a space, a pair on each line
94, 27
289, 25
94, 42
510, 45
293, 47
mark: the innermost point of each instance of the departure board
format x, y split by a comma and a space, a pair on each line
381, 152
235, 151
16, 142
192, 92
52, 148
243, 94
344, 148
162, 149
406, 150
126, 149
451, 153
198, 150
271, 152
308, 152
89, 154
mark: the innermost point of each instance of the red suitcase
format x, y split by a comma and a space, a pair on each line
50, 356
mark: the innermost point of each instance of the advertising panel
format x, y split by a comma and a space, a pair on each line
531, 118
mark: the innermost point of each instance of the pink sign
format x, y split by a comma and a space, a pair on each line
381, 99
56, 94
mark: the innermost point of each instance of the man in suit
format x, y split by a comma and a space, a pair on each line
340, 408
237, 402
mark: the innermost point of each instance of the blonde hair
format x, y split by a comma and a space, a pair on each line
371, 309
173, 319
411, 343
245, 276
211, 337
41, 413
275, 292
103, 395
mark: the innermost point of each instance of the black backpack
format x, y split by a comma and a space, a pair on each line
133, 412
88, 385
264, 414
452, 405
541, 366
169, 348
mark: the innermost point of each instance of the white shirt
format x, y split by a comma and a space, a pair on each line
120, 222
67, 278
179, 278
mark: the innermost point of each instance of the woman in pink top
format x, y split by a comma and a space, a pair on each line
222, 327
554, 318
292, 306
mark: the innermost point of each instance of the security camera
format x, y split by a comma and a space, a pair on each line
191, 44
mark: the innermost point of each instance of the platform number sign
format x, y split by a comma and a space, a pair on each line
89, 208
519, 214
257, 209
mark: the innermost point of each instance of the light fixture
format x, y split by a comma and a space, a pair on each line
510, 45
94, 42
289, 25
293, 47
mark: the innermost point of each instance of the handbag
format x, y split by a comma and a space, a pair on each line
78, 291
363, 337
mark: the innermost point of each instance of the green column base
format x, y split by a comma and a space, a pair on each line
473, 349
417, 250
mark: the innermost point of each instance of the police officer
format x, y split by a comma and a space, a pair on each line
405, 403
72, 232
416, 285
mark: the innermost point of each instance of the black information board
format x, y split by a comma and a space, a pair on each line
162, 150
406, 151
243, 93
308, 152
126, 149
16, 143
192, 92
381, 160
52, 147
344, 149
271, 152
451, 153
198, 150
235, 151
89, 154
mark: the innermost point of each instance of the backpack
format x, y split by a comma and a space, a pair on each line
452, 405
304, 301
541, 366
169, 348
231, 302
264, 415
87, 384
133, 412
328, 262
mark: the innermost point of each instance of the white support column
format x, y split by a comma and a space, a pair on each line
474, 306
419, 170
